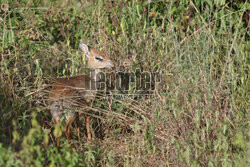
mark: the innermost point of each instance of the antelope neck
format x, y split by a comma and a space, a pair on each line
93, 74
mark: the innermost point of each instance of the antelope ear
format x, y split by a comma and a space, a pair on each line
85, 49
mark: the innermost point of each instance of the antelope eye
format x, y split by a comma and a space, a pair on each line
99, 58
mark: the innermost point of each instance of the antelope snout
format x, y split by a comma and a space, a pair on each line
110, 64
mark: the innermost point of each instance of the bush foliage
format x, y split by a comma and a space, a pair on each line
198, 115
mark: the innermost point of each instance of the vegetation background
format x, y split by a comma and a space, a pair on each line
199, 115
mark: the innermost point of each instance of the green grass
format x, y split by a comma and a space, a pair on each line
198, 117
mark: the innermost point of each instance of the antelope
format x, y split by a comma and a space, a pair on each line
67, 93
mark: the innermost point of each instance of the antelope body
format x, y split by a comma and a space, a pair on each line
69, 93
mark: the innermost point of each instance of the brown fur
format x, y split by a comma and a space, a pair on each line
69, 92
